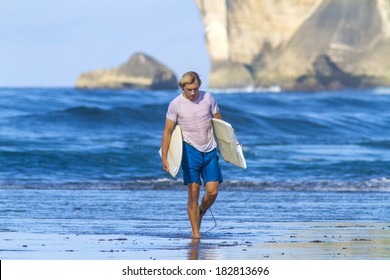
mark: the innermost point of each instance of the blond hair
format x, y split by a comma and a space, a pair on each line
188, 78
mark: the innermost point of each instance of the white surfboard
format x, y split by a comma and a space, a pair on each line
175, 151
229, 147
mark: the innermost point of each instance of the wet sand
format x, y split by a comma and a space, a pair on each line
272, 241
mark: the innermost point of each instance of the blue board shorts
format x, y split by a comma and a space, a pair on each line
197, 165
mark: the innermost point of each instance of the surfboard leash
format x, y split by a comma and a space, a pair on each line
215, 221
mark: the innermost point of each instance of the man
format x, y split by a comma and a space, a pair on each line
193, 110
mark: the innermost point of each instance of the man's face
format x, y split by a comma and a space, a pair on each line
191, 91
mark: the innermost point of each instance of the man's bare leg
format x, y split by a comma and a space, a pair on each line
209, 197
193, 208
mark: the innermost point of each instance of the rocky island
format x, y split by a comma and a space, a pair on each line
140, 72
297, 44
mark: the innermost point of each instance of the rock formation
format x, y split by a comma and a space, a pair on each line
140, 72
297, 44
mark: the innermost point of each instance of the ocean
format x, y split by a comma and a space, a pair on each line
68, 155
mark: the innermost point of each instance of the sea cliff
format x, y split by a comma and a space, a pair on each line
141, 71
297, 44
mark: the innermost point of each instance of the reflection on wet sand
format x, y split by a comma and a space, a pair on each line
205, 249
193, 253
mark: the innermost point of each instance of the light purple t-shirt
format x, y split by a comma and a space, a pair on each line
194, 119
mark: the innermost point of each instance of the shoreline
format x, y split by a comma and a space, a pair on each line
338, 240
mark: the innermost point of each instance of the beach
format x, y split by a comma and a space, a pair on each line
280, 241
152, 225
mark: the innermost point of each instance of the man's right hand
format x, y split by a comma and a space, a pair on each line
165, 165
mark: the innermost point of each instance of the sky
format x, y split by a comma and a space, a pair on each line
49, 43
